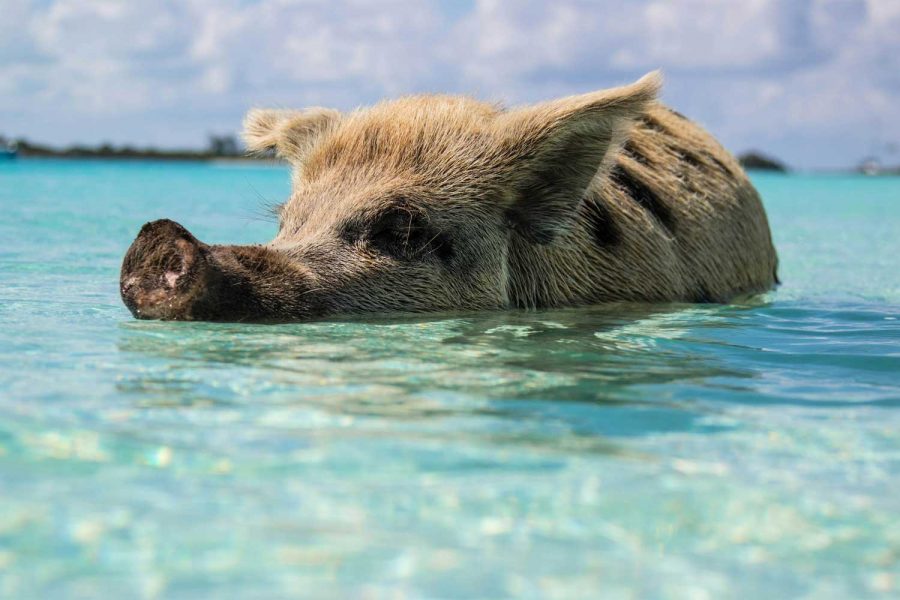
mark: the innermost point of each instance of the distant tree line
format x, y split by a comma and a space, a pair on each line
218, 146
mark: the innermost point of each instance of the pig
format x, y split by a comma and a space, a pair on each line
444, 203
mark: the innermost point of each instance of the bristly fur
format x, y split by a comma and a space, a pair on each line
606, 196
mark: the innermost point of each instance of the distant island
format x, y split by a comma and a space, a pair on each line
224, 147
757, 161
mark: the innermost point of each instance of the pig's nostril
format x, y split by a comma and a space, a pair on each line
183, 257
171, 278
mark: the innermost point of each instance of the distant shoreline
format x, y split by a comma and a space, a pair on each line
174, 157
750, 161
128, 154
220, 148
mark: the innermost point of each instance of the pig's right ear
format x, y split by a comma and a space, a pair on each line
554, 150
290, 133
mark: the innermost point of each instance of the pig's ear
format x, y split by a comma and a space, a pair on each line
558, 147
290, 133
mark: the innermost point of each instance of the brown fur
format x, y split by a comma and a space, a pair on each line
433, 203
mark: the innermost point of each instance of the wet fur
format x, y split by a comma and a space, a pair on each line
602, 197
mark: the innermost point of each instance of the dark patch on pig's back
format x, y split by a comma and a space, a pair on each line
643, 196
691, 159
600, 223
652, 123
718, 163
630, 150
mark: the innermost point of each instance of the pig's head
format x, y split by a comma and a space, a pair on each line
420, 204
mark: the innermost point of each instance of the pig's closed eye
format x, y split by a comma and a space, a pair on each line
405, 235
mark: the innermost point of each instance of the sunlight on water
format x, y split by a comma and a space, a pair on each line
673, 451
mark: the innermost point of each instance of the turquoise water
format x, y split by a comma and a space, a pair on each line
642, 451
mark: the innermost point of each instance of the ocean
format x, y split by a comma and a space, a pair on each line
665, 451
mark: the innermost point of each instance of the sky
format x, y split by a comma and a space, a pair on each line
815, 83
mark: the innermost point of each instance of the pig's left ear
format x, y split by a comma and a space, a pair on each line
290, 133
558, 147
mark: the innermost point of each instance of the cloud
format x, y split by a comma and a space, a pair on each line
816, 80
285, 46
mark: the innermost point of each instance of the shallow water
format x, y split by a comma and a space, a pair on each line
633, 451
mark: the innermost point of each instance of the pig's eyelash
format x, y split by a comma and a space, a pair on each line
443, 249
267, 208
275, 209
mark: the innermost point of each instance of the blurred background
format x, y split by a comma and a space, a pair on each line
815, 83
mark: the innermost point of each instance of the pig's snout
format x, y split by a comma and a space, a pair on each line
164, 272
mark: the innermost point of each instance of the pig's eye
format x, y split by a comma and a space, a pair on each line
398, 233
403, 234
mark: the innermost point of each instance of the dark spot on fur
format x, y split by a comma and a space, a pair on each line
643, 195
632, 152
601, 223
689, 158
717, 162
648, 122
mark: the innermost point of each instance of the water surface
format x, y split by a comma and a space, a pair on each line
634, 451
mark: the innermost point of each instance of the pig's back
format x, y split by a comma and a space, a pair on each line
687, 222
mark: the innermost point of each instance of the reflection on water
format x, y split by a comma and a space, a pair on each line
490, 454
513, 365
624, 451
